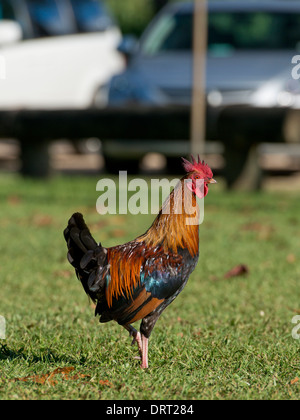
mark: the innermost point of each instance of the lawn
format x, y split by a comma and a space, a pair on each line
222, 338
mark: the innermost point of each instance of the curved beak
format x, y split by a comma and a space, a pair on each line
212, 181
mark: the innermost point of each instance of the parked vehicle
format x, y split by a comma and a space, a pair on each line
56, 53
40, 18
250, 48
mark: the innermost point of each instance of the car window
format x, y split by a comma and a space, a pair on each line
91, 15
254, 31
227, 32
171, 33
50, 17
6, 11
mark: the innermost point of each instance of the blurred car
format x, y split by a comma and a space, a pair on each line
250, 48
40, 18
56, 53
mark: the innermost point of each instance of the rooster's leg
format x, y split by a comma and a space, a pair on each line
136, 337
144, 364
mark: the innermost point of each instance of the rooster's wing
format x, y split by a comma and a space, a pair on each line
159, 278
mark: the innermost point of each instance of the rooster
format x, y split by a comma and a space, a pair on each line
139, 279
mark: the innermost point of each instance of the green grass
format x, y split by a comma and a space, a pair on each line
221, 339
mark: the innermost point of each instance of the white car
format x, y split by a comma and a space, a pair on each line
57, 71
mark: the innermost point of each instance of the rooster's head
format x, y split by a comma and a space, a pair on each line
199, 175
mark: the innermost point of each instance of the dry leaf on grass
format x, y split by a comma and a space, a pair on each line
239, 270
296, 311
291, 258
65, 274
41, 220
118, 233
105, 382
14, 200
46, 378
294, 381
49, 378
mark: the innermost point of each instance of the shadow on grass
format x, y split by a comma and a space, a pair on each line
7, 354
47, 357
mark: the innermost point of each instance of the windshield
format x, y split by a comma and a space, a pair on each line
171, 33
6, 10
91, 15
48, 18
228, 31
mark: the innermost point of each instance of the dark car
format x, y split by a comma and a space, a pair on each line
41, 18
250, 50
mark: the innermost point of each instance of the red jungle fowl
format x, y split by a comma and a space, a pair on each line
138, 280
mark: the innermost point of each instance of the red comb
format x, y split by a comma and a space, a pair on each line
201, 167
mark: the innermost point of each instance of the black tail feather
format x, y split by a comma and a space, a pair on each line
78, 236
87, 257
